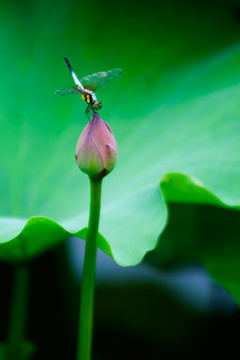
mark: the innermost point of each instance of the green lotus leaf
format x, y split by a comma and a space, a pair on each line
206, 234
174, 112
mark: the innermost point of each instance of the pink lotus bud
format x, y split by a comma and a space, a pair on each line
96, 152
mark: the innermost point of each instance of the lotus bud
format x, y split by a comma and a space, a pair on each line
96, 151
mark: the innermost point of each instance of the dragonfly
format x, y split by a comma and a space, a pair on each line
87, 86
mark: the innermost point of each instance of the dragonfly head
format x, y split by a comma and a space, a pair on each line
97, 105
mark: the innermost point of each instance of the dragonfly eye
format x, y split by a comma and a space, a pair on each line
97, 105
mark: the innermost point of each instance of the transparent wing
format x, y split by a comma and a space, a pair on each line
96, 81
66, 91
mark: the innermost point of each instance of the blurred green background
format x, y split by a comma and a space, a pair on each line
175, 114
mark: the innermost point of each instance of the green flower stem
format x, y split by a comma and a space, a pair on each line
88, 277
18, 312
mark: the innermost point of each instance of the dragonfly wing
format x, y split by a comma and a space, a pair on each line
96, 81
66, 91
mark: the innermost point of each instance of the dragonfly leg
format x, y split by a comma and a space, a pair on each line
89, 111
